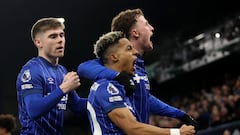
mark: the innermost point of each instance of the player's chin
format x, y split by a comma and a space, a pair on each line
150, 45
60, 55
132, 70
149, 48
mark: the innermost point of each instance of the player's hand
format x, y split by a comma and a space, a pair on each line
188, 120
70, 82
126, 80
187, 130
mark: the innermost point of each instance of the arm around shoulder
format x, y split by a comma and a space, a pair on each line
94, 69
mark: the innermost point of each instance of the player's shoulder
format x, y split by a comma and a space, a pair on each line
32, 63
28, 72
106, 87
107, 84
31, 67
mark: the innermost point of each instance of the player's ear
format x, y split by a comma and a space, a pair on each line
37, 42
113, 57
135, 33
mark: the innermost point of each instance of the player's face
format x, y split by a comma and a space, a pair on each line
127, 56
52, 43
145, 31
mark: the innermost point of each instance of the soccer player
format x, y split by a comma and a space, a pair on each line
138, 31
44, 87
111, 112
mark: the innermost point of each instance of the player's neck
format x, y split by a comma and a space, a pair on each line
52, 60
137, 47
115, 67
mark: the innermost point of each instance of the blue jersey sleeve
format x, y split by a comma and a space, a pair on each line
76, 104
110, 97
160, 108
36, 104
94, 70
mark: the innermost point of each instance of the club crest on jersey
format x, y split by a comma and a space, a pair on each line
112, 89
26, 77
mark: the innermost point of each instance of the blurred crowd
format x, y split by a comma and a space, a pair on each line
211, 106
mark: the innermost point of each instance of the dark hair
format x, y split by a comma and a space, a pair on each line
8, 121
105, 42
125, 20
46, 24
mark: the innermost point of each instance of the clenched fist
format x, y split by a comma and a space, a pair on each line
187, 130
70, 82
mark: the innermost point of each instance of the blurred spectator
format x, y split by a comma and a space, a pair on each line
236, 132
7, 124
226, 132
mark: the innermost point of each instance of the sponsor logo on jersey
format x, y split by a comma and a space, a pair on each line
26, 86
50, 80
26, 77
65, 98
115, 98
112, 89
61, 106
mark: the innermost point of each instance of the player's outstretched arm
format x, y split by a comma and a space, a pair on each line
124, 119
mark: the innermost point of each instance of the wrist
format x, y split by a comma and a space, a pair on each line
174, 131
63, 88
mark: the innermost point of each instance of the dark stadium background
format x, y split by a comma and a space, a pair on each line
87, 20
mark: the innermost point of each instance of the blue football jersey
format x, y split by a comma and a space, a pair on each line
142, 99
38, 76
104, 96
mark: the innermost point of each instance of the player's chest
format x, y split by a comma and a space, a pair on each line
53, 78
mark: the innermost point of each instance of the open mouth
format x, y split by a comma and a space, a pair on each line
134, 63
60, 48
151, 38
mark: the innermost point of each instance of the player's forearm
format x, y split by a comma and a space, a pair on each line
76, 104
93, 70
37, 105
158, 107
144, 129
124, 119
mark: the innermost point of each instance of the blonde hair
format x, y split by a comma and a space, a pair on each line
105, 42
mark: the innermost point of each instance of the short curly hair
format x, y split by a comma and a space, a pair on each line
105, 42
